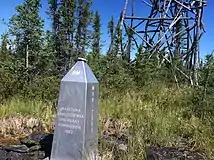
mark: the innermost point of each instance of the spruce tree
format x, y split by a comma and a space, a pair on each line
117, 41
96, 46
62, 14
111, 33
79, 27
86, 19
27, 28
53, 40
111, 28
82, 37
54, 16
66, 33
46, 63
4, 51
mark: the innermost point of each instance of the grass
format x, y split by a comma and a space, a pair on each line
157, 115
19, 117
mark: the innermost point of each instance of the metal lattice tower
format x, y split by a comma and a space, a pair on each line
173, 27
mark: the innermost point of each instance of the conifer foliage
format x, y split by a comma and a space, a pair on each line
96, 44
29, 54
26, 26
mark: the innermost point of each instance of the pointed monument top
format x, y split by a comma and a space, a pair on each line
82, 59
80, 72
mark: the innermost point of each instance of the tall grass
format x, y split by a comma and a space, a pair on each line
161, 116
156, 115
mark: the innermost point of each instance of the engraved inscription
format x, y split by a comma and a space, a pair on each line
92, 111
76, 73
69, 119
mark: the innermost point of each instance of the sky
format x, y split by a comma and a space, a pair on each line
108, 8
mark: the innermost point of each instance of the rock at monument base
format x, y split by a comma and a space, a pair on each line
17, 148
40, 149
172, 153
3, 154
36, 146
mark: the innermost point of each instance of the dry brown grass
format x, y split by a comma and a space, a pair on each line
16, 126
114, 127
19, 118
113, 136
19, 125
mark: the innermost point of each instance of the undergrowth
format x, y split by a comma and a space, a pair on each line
155, 116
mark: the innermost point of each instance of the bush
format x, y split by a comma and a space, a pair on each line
7, 85
43, 88
112, 72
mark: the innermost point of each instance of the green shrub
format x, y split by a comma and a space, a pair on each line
7, 85
43, 88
